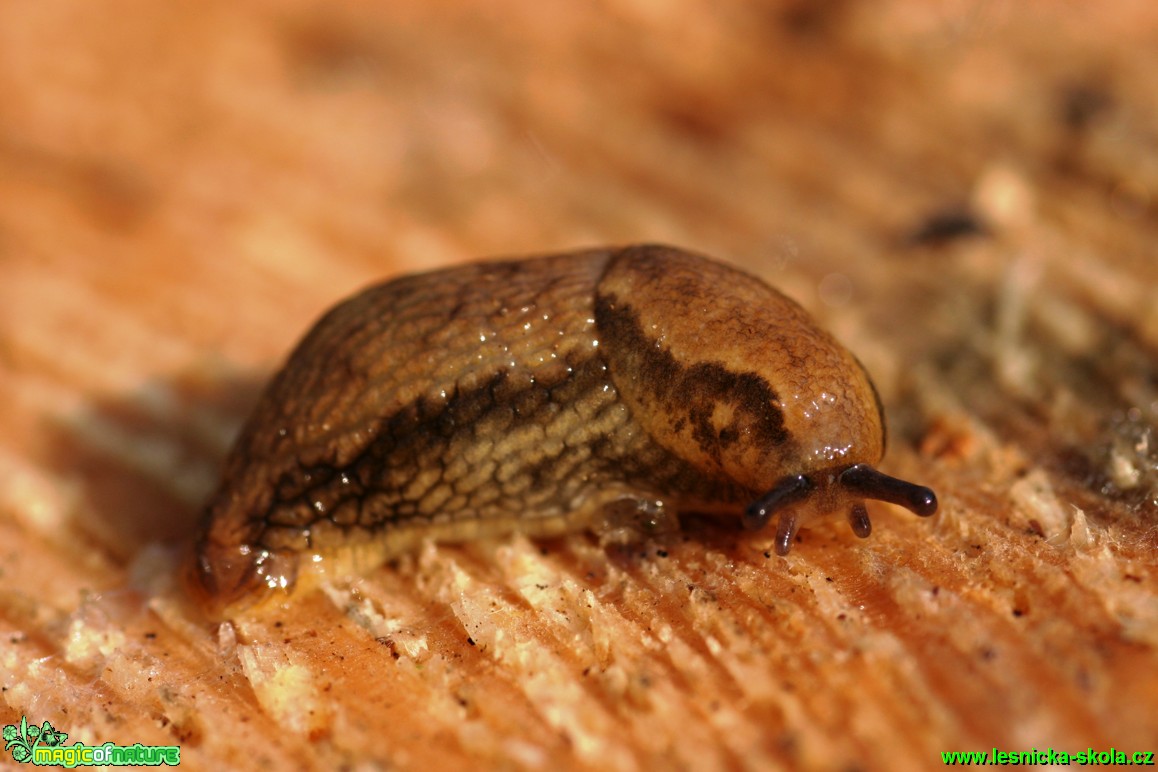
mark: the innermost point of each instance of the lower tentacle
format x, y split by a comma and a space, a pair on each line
858, 518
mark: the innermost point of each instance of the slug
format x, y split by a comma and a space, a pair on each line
542, 396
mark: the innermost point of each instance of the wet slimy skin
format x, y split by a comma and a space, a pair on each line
542, 396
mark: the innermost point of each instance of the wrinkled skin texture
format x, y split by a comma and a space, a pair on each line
536, 396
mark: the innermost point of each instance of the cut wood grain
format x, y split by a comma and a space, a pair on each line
964, 196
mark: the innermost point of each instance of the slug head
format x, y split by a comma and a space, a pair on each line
829, 490
737, 379
729, 374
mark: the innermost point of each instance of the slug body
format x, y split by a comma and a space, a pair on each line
542, 396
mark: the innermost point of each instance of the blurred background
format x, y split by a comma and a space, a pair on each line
963, 193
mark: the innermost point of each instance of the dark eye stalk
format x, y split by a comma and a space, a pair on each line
857, 479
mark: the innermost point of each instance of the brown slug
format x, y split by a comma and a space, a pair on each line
540, 396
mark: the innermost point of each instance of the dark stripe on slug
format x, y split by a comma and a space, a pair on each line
508, 446
699, 393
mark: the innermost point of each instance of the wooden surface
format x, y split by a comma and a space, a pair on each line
967, 196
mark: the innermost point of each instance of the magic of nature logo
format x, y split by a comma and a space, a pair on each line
44, 746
